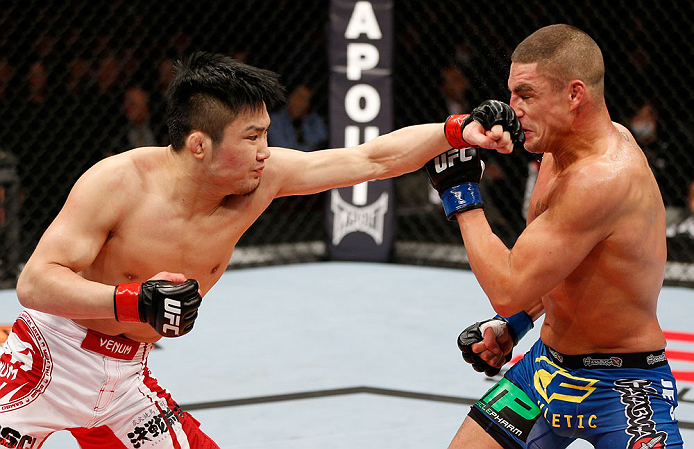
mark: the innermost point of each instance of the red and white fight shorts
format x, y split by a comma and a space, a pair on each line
57, 375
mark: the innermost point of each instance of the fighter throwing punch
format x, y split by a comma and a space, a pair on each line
592, 258
141, 238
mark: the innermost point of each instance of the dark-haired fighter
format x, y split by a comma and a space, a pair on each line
141, 238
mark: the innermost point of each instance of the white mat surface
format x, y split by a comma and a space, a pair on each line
305, 328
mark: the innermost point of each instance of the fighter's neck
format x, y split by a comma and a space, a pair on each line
586, 137
188, 192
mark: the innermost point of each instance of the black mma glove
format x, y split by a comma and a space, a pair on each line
518, 325
487, 114
170, 308
456, 174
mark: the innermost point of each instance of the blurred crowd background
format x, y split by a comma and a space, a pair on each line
81, 80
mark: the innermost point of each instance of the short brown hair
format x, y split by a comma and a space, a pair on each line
564, 53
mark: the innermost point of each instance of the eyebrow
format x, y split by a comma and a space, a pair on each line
523, 88
254, 127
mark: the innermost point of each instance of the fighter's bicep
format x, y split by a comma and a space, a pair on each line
80, 229
306, 173
556, 242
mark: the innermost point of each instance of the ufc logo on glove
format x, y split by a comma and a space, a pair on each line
447, 159
170, 308
172, 313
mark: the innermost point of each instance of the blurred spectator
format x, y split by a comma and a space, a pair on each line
42, 149
158, 99
78, 82
37, 83
454, 85
107, 74
108, 103
454, 100
6, 75
644, 124
138, 132
296, 125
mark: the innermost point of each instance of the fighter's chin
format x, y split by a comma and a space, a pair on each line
251, 189
244, 189
532, 149
530, 144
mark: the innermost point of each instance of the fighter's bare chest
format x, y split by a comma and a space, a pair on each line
199, 247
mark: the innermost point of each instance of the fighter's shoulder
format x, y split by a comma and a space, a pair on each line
596, 186
624, 133
118, 174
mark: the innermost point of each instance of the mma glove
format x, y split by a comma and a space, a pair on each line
456, 174
518, 325
170, 308
487, 114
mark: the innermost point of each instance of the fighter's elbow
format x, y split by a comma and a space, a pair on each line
506, 309
506, 300
25, 291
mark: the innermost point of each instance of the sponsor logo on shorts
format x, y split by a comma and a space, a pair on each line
117, 347
556, 354
611, 362
511, 408
26, 365
639, 413
652, 359
556, 383
153, 425
14, 439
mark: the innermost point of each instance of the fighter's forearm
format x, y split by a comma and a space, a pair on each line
406, 149
57, 290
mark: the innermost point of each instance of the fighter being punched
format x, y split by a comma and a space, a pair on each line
591, 258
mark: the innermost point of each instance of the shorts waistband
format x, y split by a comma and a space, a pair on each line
115, 346
639, 360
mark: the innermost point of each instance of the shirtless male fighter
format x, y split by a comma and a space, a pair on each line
142, 237
592, 257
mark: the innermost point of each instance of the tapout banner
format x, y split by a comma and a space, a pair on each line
360, 219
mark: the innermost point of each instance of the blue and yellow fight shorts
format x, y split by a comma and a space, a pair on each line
548, 399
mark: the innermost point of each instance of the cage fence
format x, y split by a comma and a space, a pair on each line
83, 80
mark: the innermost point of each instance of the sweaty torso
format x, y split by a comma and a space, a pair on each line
156, 235
608, 303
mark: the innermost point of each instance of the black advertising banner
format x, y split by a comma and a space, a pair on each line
360, 219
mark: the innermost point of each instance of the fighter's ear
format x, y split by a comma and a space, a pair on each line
576, 93
198, 143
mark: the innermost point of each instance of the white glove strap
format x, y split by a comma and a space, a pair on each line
498, 326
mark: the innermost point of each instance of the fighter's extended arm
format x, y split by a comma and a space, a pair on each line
393, 154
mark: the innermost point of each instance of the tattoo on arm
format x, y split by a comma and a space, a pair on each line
624, 135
